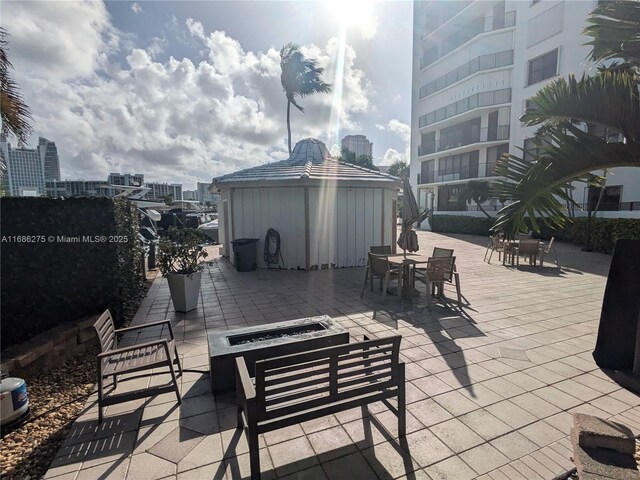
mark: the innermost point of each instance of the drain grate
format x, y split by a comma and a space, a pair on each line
513, 354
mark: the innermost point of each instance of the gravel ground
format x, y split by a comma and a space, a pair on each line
28, 450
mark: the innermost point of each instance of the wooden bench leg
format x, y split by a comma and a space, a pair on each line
402, 404
254, 453
173, 374
178, 361
100, 392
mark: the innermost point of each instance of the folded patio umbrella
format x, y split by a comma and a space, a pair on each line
410, 214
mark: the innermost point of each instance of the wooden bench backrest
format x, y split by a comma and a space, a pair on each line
105, 331
293, 383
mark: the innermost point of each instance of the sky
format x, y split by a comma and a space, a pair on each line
186, 91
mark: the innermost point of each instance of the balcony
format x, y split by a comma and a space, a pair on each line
483, 135
482, 25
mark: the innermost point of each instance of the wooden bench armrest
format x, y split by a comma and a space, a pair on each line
148, 325
130, 348
244, 386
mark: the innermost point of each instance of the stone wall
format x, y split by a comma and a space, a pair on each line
50, 348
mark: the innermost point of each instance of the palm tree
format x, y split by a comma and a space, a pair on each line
300, 77
16, 118
577, 118
478, 192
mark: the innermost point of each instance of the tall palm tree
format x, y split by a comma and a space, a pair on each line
572, 115
300, 77
16, 118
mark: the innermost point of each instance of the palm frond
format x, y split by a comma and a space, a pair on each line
540, 189
613, 27
15, 114
609, 99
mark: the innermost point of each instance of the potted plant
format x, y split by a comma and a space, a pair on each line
179, 261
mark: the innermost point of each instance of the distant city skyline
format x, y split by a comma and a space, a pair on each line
191, 90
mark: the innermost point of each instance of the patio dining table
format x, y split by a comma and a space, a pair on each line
510, 251
405, 280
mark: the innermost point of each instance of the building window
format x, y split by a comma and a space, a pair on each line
610, 199
543, 67
533, 147
493, 154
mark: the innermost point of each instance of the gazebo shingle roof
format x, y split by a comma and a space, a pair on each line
311, 160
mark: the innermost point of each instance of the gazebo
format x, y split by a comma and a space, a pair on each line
326, 212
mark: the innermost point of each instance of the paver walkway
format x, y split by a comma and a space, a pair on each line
490, 391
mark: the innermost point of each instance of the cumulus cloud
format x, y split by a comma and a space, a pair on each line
173, 120
403, 131
136, 8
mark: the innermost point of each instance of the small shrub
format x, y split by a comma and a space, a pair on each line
461, 224
181, 251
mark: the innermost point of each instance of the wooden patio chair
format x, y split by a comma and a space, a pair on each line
528, 249
547, 250
114, 361
378, 266
435, 273
495, 245
442, 252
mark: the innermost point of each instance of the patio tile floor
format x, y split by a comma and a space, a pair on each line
489, 390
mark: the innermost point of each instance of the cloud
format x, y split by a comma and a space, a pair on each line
136, 8
403, 131
175, 120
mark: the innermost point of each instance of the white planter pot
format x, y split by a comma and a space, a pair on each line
184, 290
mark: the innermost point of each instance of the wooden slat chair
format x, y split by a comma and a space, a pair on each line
292, 389
114, 361
376, 250
435, 272
379, 267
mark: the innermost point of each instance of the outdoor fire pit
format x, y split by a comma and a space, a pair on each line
267, 341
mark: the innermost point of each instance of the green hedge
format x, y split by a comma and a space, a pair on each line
461, 224
47, 281
604, 231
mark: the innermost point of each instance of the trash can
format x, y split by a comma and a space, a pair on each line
244, 250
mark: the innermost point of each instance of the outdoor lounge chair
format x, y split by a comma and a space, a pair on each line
378, 250
547, 250
114, 361
378, 266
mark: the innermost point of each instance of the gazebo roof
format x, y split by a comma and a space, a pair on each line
310, 160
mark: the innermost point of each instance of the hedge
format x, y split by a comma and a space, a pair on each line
604, 231
62, 260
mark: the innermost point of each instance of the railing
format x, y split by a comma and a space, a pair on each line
483, 135
478, 64
615, 206
481, 99
491, 23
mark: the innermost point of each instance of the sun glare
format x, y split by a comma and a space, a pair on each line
355, 13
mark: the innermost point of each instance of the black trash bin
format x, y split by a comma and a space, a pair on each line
244, 250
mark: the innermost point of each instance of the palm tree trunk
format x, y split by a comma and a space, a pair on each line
483, 210
289, 125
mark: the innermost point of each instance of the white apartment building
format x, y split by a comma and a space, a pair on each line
24, 175
204, 196
475, 65
358, 144
126, 179
191, 195
161, 190
77, 188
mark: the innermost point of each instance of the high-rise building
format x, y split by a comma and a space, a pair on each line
358, 144
126, 179
204, 196
49, 152
24, 175
476, 65
162, 190
77, 188
191, 195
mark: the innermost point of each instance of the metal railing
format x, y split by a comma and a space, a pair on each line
483, 135
615, 206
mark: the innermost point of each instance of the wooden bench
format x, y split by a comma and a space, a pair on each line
114, 361
295, 388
